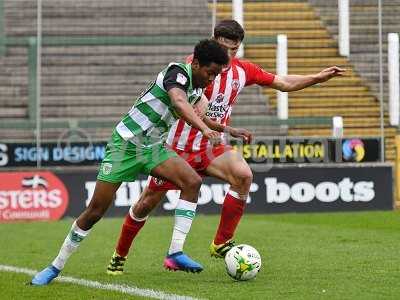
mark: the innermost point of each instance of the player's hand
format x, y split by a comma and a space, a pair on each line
242, 133
329, 73
213, 136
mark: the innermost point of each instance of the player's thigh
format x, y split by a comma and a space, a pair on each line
178, 171
230, 167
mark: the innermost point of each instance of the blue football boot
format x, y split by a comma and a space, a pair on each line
45, 276
179, 261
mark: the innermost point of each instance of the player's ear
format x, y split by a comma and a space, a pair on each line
195, 64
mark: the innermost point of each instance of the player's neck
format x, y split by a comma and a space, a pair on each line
229, 66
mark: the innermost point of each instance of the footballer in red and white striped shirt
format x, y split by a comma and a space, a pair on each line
223, 163
221, 95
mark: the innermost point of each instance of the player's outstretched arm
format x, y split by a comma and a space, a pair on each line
290, 83
187, 113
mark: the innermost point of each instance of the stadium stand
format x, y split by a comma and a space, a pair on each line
364, 46
96, 82
311, 47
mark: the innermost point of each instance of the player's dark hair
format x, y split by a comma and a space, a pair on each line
209, 51
229, 29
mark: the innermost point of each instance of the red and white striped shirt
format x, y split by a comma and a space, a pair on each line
221, 95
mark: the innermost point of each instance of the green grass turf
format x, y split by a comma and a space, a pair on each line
305, 256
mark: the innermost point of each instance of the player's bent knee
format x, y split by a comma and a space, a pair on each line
192, 182
242, 177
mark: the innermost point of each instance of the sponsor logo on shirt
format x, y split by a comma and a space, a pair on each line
217, 109
180, 78
219, 98
235, 85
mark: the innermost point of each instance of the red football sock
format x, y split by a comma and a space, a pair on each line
232, 211
129, 230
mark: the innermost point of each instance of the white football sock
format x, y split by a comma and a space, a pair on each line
184, 214
70, 245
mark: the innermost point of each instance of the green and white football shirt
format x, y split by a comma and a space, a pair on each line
150, 118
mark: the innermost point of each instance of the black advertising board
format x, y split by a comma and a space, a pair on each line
48, 195
264, 151
281, 189
51, 154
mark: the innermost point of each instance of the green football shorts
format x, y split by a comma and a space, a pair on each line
123, 160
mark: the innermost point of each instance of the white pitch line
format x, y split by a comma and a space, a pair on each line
121, 288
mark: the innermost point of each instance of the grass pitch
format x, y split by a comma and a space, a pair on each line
305, 256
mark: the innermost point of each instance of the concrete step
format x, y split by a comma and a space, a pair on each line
367, 67
272, 15
14, 101
371, 29
72, 21
139, 50
362, 122
12, 61
13, 112
363, 8
266, 6
366, 48
357, 91
283, 24
72, 90
84, 111
306, 62
109, 31
337, 111
368, 57
121, 60
329, 102
360, 18
13, 91
292, 52
291, 33
255, 109
108, 13
93, 70
348, 132
94, 80
325, 3
299, 43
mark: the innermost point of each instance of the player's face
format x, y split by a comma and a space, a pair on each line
204, 75
231, 45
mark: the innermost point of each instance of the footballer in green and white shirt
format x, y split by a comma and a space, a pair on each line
137, 146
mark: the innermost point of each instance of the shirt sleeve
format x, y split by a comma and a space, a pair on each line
176, 77
256, 75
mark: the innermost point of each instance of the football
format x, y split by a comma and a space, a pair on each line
242, 262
